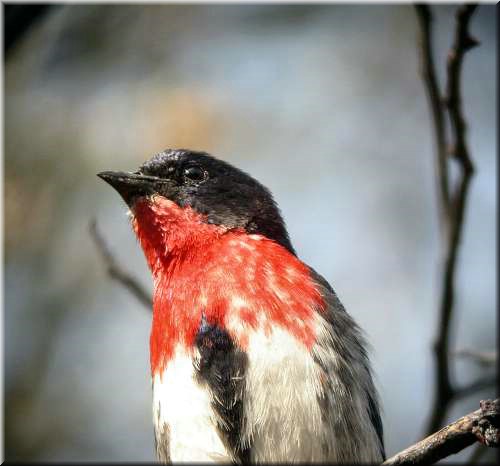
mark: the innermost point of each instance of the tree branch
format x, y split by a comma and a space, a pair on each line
452, 206
463, 42
482, 425
427, 70
116, 272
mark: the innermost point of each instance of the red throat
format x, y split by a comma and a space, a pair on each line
238, 281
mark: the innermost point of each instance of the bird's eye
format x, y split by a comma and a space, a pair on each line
195, 173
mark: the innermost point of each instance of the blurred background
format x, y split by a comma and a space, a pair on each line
322, 104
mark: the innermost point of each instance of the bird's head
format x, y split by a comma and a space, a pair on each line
179, 196
218, 250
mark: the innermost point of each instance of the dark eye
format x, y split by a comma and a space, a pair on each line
195, 173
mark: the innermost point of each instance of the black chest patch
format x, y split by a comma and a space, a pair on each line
222, 366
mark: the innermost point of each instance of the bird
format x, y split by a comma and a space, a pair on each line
253, 356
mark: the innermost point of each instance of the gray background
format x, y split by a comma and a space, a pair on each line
323, 104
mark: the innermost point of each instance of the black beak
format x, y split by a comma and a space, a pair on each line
130, 186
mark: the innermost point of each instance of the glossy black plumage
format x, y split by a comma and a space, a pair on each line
227, 195
221, 367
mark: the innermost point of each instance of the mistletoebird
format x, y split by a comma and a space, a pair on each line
253, 357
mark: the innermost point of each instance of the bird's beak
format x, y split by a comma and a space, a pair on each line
130, 186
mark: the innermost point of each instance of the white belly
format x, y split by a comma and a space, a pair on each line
183, 414
289, 413
283, 416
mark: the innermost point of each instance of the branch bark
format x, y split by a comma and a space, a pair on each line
452, 204
481, 426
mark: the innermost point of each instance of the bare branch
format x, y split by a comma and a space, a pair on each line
463, 42
452, 207
116, 272
445, 391
482, 425
427, 69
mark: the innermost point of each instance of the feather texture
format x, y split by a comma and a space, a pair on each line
253, 357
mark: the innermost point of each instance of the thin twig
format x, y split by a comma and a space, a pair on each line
427, 69
463, 42
116, 272
452, 206
481, 425
458, 203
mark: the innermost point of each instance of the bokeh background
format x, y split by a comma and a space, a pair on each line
323, 104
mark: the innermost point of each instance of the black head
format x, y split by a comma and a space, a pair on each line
212, 187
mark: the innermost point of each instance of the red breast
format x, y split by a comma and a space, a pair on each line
241, 282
